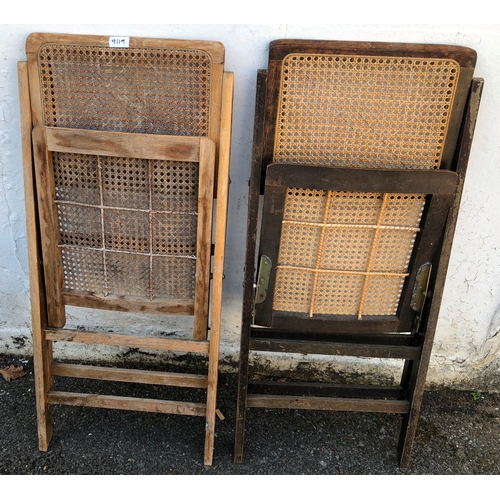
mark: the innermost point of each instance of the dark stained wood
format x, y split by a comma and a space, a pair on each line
270, 236
336, 348
360, 179
330, 404
89, 337
126, 403
276, 331
388, 339
204, 238
426, 245
129, 375
278, 49
249, 271
416, 372
42, 348
294, 388
440, 184
331, 323
123, 145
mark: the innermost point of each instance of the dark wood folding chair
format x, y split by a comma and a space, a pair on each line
130, 149
360, 152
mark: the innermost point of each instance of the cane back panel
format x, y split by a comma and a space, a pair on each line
126, 224
168, 87
349, 253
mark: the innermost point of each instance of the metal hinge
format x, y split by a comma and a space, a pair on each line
420, 290
263, 275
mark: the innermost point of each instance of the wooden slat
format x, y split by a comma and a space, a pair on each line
215, 49
278, 49
361, 179
123, 145
392, 339
60, 335
129, 375
255, 185
126, 403
218, 261
336, 348
203, 237
129, 303
417, 371
319, 403
42, 349
325, 389
214, 130
49, 229
323, 323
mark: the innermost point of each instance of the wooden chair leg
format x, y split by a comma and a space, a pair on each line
44, 381
42, 349
213, 367
218, 263
241, 407
414, 375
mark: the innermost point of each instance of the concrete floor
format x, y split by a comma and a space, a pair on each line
459, 433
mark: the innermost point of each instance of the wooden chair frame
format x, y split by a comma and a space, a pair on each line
48, 295
408, 333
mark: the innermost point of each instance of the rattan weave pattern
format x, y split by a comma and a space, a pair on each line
142, 90
345, 252
124, 228
366, 112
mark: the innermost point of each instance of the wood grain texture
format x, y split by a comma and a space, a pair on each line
215, 49
218, 260
124, 145
278, 49
129, 375
335, 404
213, 154
126, 403
293, 332
256, 184
133, 341
269, 387
42, 349
416, 372
336, 349
361, 179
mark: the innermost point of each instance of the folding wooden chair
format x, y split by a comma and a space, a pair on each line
360, 152
130, 148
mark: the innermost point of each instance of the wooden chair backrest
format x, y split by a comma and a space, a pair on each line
126, 231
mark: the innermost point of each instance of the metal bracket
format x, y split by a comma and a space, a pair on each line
420, 290
263, 275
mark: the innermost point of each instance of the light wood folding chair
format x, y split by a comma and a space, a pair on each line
360, 152
126, 158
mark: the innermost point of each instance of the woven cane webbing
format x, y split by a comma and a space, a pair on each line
144, 90
345, 252
367, 112
127, 226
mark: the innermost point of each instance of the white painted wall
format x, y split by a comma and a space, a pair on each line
466, 352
